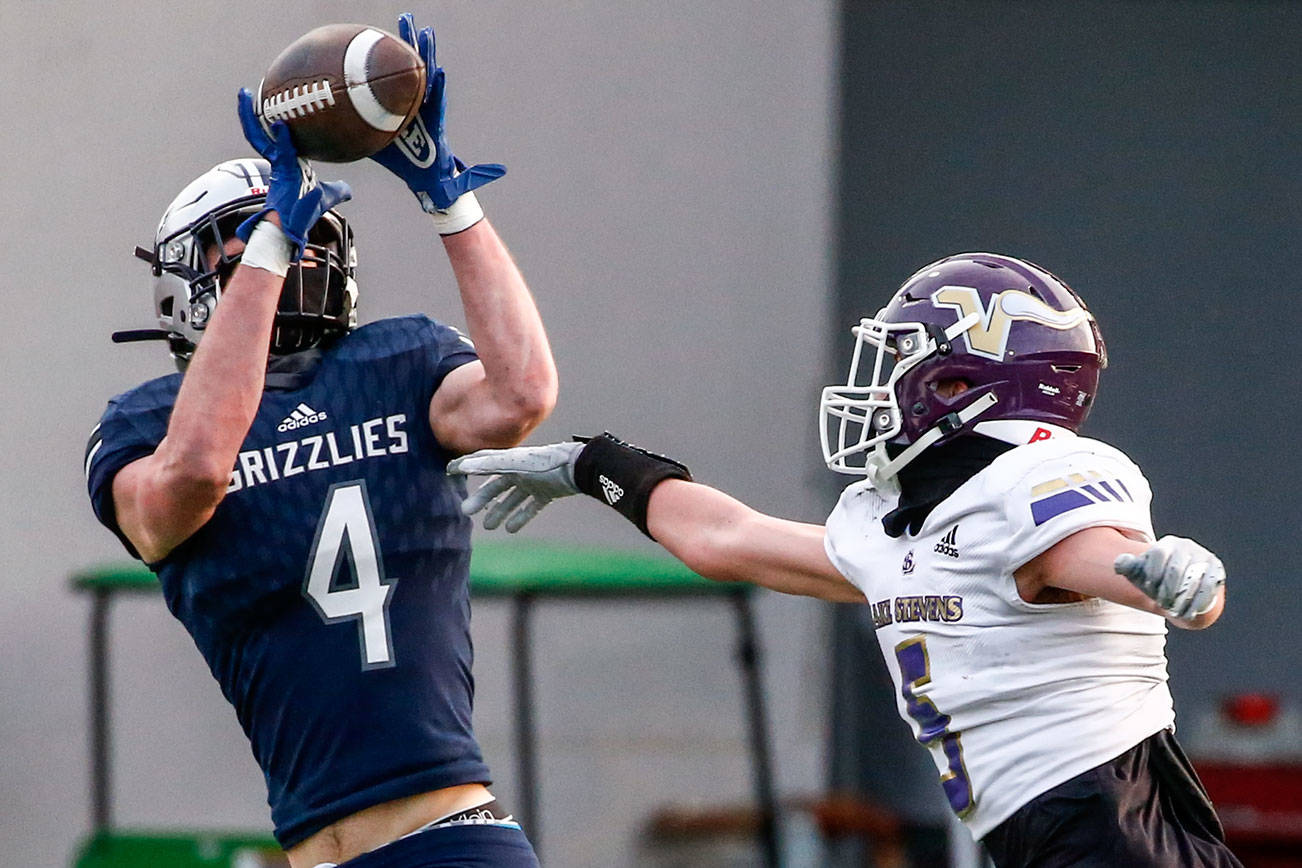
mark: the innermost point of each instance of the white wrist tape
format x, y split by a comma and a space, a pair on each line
268, 248
459, 216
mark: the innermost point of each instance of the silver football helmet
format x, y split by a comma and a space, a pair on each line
191, 263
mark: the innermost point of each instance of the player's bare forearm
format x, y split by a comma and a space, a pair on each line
721, 538
1085, 563
162, 499
497, 402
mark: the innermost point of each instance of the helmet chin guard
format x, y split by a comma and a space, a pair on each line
1014, 335
191, 261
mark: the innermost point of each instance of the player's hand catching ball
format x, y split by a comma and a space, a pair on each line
1178, 574
294, 191
420, 155
523, 480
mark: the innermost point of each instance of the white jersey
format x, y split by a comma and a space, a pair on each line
1012, 698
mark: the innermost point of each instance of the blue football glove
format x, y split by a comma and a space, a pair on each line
294, 191
424, 161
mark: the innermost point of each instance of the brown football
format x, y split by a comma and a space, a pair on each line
345, 90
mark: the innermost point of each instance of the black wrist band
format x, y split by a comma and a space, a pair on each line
623, 476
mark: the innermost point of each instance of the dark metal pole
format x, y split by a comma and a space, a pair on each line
526, 757
99, 712
748, 656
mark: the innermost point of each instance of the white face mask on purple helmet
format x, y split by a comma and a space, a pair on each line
859, 418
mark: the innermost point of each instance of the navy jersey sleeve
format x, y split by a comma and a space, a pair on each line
446, 349
132, 427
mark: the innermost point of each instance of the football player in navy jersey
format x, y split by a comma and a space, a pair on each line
288, 488
1017, 588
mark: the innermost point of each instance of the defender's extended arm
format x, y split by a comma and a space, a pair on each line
1173, 577
716, 535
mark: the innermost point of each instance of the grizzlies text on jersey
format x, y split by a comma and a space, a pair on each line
328, 592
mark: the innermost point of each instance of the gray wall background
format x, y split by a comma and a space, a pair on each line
668, 201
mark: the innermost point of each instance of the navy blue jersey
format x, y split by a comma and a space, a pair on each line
328, 592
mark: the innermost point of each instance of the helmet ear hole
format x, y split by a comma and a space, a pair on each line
951, 386
165, 306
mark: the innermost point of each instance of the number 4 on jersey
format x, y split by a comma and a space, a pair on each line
346, 530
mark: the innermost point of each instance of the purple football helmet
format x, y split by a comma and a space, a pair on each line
1016, 335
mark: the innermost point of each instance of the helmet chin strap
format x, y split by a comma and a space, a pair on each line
882, 470
133, 335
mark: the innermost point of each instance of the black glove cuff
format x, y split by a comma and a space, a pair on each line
623, 476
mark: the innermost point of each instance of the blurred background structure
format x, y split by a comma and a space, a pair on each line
703, 197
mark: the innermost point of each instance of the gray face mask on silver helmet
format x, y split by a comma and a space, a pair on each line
191, 263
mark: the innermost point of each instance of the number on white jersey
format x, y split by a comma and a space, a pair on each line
933, 726
346, 530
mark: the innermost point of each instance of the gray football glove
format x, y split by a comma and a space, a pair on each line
521, 481
1178, 574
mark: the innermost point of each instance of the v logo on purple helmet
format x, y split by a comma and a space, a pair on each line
989, 337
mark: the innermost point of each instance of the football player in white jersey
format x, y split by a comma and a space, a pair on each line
1019, 593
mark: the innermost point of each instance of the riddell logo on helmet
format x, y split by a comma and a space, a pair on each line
989, 337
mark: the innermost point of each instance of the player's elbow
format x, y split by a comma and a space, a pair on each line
166, 504
1206, 619
536, 403
537, 398
199, 483
1201, 622
523, 410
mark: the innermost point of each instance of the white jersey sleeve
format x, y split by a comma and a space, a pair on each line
1063, 486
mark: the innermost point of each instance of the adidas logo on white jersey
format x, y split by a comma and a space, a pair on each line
611, 491
300, 417
948, 544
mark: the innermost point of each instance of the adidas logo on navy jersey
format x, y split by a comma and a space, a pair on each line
948, 544
300, 417
612, 491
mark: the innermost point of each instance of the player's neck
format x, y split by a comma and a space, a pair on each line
935, 475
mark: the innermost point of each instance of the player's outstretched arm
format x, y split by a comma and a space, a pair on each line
1174, 577
498, 400
722, 538
716, 535
163, 498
